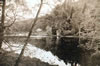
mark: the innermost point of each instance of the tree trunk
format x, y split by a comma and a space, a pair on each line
2, 23
1, 35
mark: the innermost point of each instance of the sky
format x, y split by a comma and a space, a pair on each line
46, 8
31, 3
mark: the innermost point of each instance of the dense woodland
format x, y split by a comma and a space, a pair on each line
75, 25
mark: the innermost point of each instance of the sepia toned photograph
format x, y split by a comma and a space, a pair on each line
49, 32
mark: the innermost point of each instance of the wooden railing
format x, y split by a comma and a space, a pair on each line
24, 36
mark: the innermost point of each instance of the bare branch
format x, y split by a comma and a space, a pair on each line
11, 23
14, 13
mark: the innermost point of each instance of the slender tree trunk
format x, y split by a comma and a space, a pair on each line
26, 42
2, 23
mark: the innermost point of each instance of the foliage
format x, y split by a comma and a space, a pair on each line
79, 19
